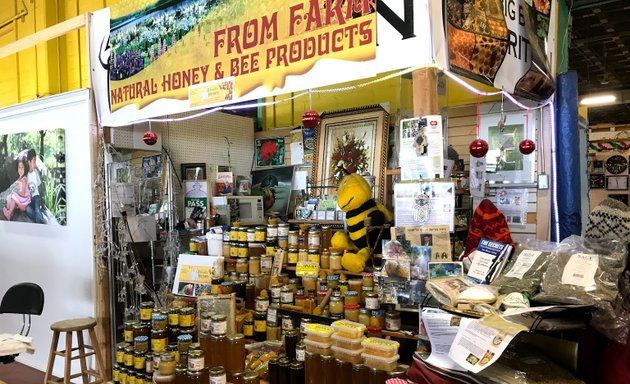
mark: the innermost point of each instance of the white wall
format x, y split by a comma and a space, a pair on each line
58, 258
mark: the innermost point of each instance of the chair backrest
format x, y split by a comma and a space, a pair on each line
23, 298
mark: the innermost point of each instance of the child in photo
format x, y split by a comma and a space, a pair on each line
22, 197
34, 209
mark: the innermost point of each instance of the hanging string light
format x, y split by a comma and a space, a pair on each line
527, 146
479, 147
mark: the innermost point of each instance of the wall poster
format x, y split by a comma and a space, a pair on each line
33, 177
504, 161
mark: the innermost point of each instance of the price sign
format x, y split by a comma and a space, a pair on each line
307, 268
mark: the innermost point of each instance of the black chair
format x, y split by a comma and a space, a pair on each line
24, 299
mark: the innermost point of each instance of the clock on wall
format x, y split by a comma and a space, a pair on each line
616, 164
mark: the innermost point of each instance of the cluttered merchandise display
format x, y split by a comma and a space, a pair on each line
302, 302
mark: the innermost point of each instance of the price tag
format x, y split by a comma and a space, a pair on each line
277, 264
306, 268
272, 314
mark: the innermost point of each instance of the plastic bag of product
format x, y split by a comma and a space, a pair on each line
584, 271
526, 268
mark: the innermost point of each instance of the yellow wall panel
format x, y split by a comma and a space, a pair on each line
394, 91
55, 66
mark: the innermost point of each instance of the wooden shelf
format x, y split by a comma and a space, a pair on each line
330, 222
340, 271
400, 335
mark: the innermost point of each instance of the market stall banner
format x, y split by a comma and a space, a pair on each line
152, 58
501, 43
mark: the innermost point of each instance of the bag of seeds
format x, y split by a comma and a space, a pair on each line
587, 271
525, 271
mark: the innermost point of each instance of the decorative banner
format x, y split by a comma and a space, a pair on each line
167, 56
33, 177
500, 43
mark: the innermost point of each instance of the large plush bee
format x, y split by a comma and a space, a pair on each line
354, 197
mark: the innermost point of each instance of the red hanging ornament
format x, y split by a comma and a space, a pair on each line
310, 119
478, 148
527, 146
150, 138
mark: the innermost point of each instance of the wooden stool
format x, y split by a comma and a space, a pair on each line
78, 326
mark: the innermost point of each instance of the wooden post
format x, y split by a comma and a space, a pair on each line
425, 98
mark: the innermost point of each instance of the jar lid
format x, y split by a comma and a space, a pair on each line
130, 323
219, 318
367, 274
236, 336
364, 311
158, 317
378, 312
250, 375
217, 371
227, 283
322, 293
185, 337
141, 339
352, 293
231, 261
333, 277
352, 306
146, 304
375, 329
167, 356
251, 230
336, 298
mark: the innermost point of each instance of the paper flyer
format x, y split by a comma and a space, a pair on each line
436, 237
513, 205
421, 148
477, 345
428, 203
442, 327
194, 274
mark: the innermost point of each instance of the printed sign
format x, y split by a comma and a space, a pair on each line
157, 57
306, 268
500, 43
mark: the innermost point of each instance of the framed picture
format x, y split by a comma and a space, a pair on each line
275, 186
598, 167
270, 152
504, 161
621, 197
596, 181
617, 183
354, 141
194, 171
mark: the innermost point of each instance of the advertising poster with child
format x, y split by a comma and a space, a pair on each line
33, 177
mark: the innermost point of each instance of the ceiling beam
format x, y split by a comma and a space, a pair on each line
585, 4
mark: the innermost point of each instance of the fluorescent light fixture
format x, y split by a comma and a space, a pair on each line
598, 100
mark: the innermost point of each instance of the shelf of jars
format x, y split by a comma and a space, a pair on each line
281, 324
